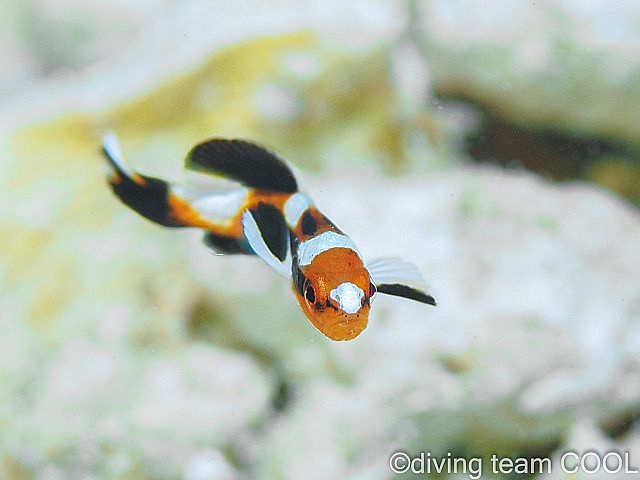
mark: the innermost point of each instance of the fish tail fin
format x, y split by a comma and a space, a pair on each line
118, 166
173, 205
147, 196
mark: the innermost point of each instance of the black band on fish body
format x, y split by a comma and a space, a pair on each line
293, 245
308, 224
298, 278
273, 229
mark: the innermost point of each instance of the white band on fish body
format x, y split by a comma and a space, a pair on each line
295, 207
216, 206
313, 247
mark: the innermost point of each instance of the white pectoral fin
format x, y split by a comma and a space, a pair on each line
395, 269
394, 276
254, 237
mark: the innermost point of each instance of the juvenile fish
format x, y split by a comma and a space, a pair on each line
268, 216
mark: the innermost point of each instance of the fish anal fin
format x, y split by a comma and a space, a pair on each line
226, 245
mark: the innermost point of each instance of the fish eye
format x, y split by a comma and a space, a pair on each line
310, 293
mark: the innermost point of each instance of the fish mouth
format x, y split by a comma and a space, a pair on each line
347, 329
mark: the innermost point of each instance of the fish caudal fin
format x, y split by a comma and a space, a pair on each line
394, 276
177, 206
247, 163
147, 196
113, 151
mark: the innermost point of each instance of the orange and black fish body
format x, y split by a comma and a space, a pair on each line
271, 218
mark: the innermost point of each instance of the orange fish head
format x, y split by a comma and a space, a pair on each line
336, 295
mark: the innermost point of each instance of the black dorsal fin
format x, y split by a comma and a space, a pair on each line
249, 164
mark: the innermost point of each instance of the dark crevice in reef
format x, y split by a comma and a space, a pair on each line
554, 153
485, 438
551, 153
534, 453
210, 322
620, 423
282, 397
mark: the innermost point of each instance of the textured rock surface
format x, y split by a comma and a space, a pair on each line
556, 63
108, 366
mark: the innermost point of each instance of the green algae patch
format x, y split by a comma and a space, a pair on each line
618, 175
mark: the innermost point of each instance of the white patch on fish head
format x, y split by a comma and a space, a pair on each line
349, 297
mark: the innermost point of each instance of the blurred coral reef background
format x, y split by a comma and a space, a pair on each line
494, 144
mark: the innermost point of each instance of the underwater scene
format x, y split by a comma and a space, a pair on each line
319, 240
